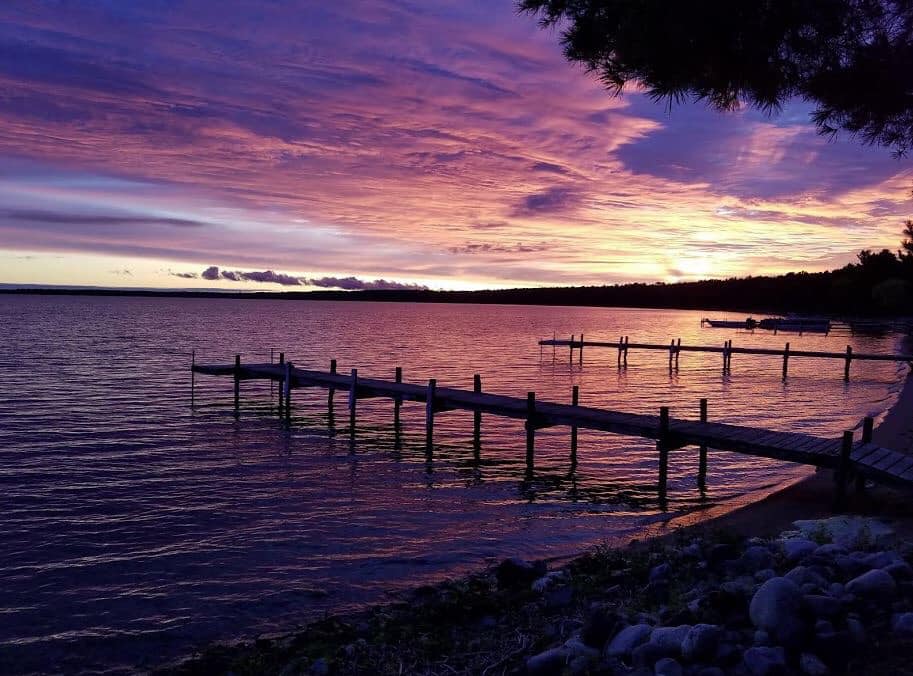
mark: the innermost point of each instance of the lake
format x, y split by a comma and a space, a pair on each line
136, 530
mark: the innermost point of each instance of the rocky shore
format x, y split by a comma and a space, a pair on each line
831, 596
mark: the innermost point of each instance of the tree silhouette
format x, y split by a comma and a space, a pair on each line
907, 242
853, 59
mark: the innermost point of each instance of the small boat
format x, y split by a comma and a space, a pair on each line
802, 324
748, 323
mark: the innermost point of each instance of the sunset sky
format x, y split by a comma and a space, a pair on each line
351, 144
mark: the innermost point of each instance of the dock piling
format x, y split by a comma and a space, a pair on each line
193, 376
398, 401
575, 401
843, 468
530, 427
477, 416
331, 392
237, 384
581, 349
625, 362
846, 367
785, 360
429, 414
702, 459
678, 351
281, 383
353, 400
571, 358
621, 340
662, 445
287, 384
868, 425
671, 353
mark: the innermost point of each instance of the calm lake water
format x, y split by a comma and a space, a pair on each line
135, 530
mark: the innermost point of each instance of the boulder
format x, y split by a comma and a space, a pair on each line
574, 647
660, 573
881, 559
765, 574
902, 624
852, 532
796, 549
519, 573
627, 639
803, 575
765, 661
668, 667
874, 585
776, 608
899, 570
856, 631
822, 606
811, 665
599, 626
669, 639
548, 663
756, 558
700, 642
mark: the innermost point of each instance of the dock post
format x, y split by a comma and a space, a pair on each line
571, 358
662, 445
785, 360
281, 382
287, 384
843, 468
625, 363
725, 349
353, 401
530, 427
429, 414
621, 340
581, 350
332, 391
868, 425
397, 401
477, 417
237, 384
575, 401
193, 377
702, 460
671, 352
678, 350
846, 368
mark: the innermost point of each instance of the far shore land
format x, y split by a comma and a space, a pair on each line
338, 644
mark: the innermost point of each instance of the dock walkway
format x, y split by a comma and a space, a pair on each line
849, 457
675, 348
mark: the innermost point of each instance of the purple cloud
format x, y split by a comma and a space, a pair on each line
549, 201
211, 273
355, 284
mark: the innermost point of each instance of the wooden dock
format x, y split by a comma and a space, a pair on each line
848, 457
675, 348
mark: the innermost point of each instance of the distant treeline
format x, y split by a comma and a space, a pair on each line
879, 284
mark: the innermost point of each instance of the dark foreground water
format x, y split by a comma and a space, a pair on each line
135, 530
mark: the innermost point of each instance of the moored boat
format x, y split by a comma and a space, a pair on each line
748, 323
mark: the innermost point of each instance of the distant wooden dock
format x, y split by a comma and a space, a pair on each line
847, 456
675, 348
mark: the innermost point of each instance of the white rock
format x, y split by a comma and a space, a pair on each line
852, 532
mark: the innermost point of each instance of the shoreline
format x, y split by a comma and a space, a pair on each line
763, 513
